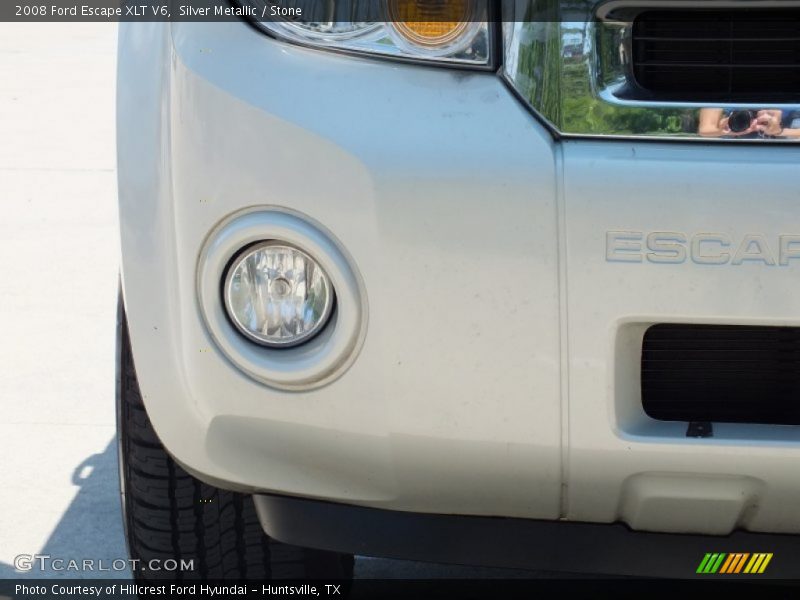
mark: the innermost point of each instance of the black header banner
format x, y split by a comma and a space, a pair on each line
300, 10
126, 10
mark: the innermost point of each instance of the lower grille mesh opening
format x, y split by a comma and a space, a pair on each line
722, 373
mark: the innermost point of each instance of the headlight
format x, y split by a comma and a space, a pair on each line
277, 295
444, 31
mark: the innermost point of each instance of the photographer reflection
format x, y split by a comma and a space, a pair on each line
749, 124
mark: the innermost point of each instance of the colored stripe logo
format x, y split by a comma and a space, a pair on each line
734, 563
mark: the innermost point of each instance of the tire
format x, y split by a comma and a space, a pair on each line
170, 515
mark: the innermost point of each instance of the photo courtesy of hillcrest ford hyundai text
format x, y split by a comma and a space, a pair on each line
504, 284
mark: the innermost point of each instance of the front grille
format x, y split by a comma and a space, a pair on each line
721, 373
744, 55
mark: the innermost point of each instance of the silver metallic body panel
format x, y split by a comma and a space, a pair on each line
458, 378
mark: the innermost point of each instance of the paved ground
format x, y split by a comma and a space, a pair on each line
58, 264
58, 268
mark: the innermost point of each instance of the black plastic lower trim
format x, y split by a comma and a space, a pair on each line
512, 543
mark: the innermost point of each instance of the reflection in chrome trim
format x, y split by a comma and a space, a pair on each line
573, 69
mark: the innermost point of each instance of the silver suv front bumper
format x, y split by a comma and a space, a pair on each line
498, 372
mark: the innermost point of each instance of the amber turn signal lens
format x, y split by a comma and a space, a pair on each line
430, 22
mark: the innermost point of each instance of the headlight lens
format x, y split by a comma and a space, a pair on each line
277, 295
444, 31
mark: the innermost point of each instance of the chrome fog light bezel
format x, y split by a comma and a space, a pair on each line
320, 359
261, 340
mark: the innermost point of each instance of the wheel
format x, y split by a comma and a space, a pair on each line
171, 516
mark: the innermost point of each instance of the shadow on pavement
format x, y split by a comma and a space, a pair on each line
91, 527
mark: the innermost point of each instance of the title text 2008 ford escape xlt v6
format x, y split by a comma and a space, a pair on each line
487, 283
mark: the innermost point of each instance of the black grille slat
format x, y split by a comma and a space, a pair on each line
655, 38
722, 54
709, 65
721, 373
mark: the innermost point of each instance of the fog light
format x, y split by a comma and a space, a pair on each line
277, 295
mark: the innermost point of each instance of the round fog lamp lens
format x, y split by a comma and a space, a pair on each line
277, 295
